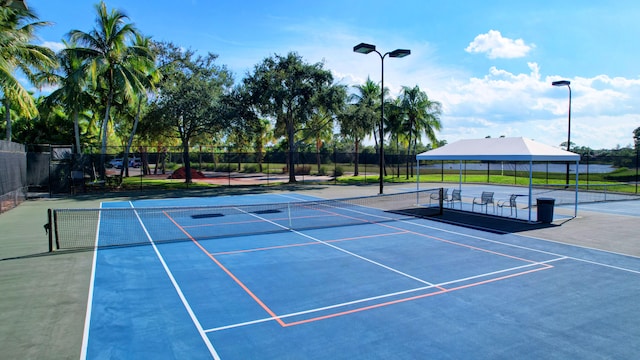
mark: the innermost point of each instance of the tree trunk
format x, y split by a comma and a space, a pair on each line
356, 171
398, 159
7, 115
318, 146
409, 146
291, 133
76, 131
105, 127
187, 162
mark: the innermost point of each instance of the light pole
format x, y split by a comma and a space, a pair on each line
636, 140
566, 83
364, 48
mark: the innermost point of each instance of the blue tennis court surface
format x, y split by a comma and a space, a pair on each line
400, 289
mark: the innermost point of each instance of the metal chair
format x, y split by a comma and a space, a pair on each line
484, 200
436, 195
456, 195
511, 204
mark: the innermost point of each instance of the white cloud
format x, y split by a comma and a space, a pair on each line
603, 110
55, 46
496, 46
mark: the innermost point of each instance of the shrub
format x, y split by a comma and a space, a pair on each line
250, 168
338, 171
299, 170
226, 167
303, 170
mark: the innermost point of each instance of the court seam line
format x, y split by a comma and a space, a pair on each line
543, 266
87, 317
176, 286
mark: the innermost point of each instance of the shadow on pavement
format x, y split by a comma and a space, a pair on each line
479, 221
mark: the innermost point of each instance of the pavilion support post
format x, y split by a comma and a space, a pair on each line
530, 187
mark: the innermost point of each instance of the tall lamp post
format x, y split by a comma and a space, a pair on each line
566, 83
636, 140
363, 48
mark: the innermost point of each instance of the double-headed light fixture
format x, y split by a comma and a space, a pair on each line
364, 48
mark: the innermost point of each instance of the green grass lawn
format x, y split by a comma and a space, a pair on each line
616, 181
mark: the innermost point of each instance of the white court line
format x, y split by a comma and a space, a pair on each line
342, 250
203, 335
532, 249
383, 296
524, 247
87, 317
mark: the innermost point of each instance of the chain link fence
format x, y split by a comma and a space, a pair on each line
50, 168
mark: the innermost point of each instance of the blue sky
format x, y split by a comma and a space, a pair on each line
490, 63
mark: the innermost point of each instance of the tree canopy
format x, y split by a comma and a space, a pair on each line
189, 95
113, 84
290, 91
18, 54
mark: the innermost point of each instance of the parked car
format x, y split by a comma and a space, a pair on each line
135, 162
116, 163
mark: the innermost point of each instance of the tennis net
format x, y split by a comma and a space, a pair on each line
103, 227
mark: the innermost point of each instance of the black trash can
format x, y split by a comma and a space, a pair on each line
545, 209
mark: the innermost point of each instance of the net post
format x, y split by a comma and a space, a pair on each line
441, 202
54, 227
49, 230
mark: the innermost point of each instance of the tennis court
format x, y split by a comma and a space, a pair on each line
276, 276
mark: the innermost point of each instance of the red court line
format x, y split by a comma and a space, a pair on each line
411, 298
460, 244
428, 236
328, 316
228, 272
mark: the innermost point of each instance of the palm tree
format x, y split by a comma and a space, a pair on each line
368, 99
18, 54
147, 76
320, 129
422, 115
72, 94
330, 103
355, 125
394, 125
114, 64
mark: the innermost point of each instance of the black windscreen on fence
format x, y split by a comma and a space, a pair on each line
13, 175
13, 167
